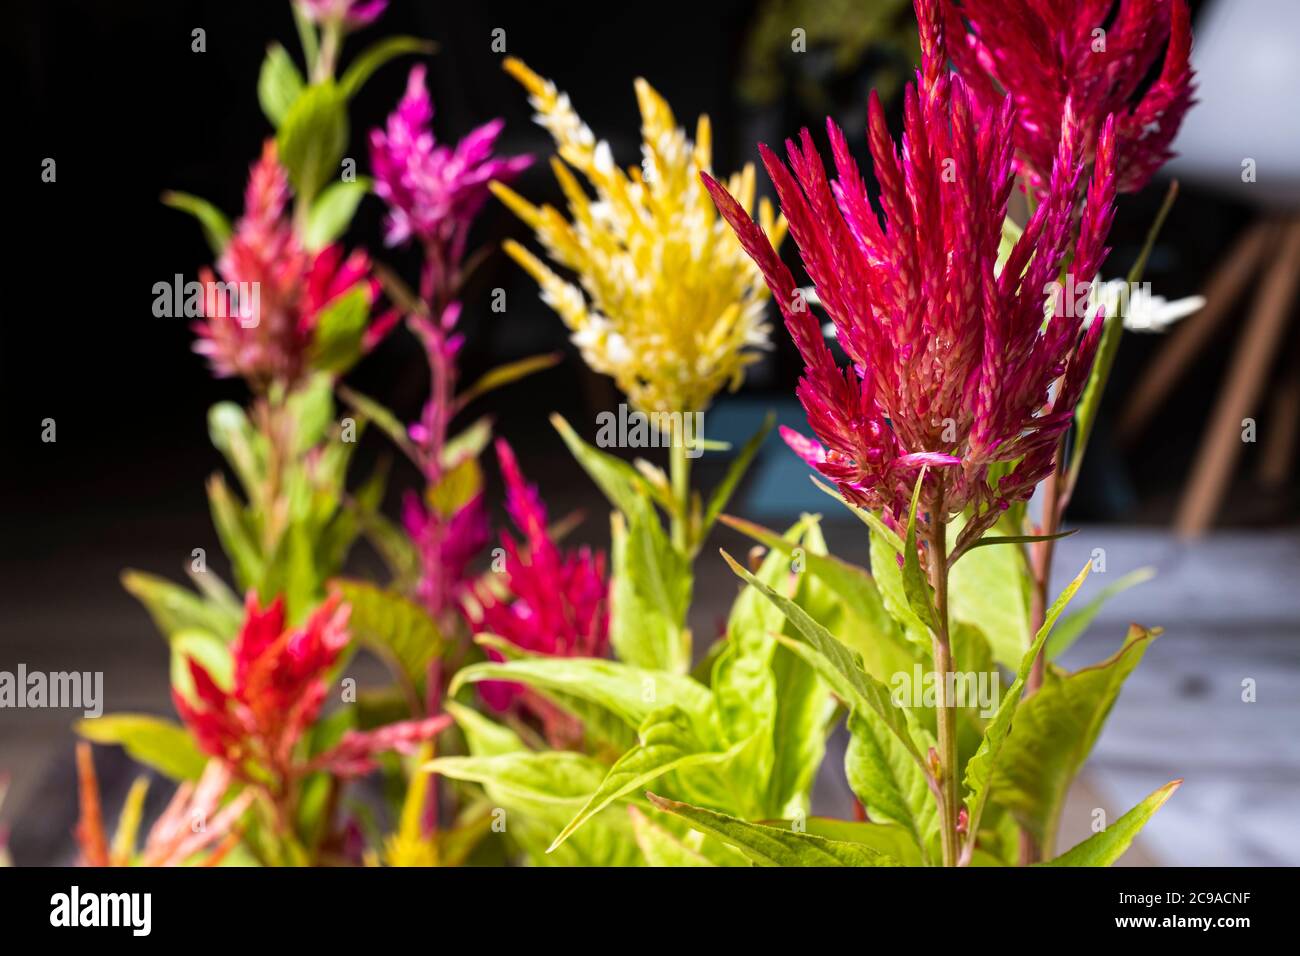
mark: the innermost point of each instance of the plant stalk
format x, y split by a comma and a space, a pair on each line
680, 476
945, 709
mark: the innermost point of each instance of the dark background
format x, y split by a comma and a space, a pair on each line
112, 92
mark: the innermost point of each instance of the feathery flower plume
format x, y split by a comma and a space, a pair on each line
1047, 53
665, 301
554, 603
435, 191
952, 361
269, 339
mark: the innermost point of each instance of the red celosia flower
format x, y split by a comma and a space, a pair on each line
265, 333
952, 362
1093, 54
278, 689
555, 603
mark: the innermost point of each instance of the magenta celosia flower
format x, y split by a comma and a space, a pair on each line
434, 191
447, 534
555, 603
353, 14
1047, 52
952, 362
264, 333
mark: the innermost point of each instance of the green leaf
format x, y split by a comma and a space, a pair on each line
916, 587
485, 737
205, 649
888, 577
174, 608
622, 484
1075, 623
987, 589
1054, 731
889, 782
387, 422
774, 846
312, 138
333, 210
278, 84
633, 693
650, 583
154, 742
340, 327
375, 56
662, 847
215, 225
240, 444
735, 471
990, 539
507, 373
235, 535
392, 625
558, 777
893, 841
1104, 848
837, 664
667, 742
980, 767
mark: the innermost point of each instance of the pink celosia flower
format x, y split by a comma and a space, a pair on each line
434, 191
952, 363
266, 336
555, 603
353, 14
277, 693
1047, 52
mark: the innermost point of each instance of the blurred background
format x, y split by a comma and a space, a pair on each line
114, 94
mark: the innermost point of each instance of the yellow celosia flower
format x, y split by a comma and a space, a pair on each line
666, 301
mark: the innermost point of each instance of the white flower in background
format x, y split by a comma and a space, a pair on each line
1145, 312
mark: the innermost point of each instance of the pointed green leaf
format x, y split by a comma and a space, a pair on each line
889, 782
392, 625
836, 663
666, 743
979, 769
312, 138
505, 374
160, 744
376, 55
1075, 623
620, 481
774, 846
633, 693
1053, 734
215, 225
174, 608
332, 212
1104, 848
278, 84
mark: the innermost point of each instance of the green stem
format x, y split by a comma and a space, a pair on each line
946, 709
680, 472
